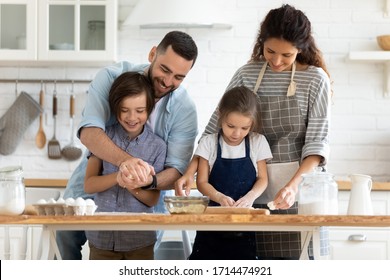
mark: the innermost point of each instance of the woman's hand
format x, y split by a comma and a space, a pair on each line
285, 198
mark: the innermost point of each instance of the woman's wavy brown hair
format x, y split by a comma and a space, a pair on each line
292, 25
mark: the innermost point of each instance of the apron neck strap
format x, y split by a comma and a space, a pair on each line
291, 88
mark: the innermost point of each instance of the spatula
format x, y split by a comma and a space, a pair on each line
40, 139
53, 147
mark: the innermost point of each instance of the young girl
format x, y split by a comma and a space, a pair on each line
232, 172
131, 100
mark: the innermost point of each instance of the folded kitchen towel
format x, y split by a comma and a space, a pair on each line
14, 123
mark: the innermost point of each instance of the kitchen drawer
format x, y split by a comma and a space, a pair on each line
359, 243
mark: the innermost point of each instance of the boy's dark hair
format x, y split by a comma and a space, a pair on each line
130, 84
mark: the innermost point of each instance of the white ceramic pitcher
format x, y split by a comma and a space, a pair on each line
360, 197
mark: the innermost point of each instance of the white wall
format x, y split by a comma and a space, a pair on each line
360, 132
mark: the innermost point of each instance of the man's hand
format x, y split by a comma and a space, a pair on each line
134, 173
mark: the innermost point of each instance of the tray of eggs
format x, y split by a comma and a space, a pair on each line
65, 207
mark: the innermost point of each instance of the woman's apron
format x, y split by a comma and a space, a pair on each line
234, 178
279, 127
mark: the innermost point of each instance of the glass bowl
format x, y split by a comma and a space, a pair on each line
186, 204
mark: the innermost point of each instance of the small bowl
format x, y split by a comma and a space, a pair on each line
384, 42
186, 204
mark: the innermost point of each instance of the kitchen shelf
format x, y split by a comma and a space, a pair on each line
375, 57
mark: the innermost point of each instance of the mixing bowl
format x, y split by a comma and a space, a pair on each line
186, 204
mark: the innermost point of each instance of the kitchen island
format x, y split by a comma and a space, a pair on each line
309, 225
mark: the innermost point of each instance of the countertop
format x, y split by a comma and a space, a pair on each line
61, 183
46, 183
167, 220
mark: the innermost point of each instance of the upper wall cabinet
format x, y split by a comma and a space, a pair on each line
59, 30
18, 29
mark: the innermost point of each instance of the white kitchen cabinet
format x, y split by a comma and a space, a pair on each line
361, 243
18, 29
23, 240
59, 31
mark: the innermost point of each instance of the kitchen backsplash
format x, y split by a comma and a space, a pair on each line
360, 128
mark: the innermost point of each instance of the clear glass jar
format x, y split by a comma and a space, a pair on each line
317, 194
96, 38
12, 191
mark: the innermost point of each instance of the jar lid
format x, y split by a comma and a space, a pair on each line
100, 23
11, 172
318, 172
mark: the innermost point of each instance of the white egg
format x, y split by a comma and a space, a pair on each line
60, 200
41, 201
51, 201
69, 201
80, 201
89, 202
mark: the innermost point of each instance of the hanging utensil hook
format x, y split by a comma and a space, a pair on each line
16, 88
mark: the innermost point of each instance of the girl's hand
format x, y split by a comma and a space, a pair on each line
183, 185
246, 201
224, 200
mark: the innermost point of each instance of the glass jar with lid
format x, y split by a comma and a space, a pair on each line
12, 191
317, 194
96, 38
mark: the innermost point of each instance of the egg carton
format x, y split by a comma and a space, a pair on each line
70, 207
59, 209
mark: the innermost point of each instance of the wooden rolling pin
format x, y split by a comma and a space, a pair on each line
235, 210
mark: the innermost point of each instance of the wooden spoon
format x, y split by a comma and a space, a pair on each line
40, 139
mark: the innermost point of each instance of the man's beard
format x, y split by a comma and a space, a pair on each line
156, 84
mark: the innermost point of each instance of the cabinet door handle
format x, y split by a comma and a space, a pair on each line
357, 237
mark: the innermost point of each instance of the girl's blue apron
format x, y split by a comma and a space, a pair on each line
234, 178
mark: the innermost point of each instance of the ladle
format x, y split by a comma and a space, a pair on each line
72, 151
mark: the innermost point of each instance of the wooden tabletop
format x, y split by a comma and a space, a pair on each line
61, 183
46, 183
202, 219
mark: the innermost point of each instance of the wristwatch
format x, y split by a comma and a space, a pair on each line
153, 185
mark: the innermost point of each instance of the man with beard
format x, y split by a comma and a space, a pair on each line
174, 119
